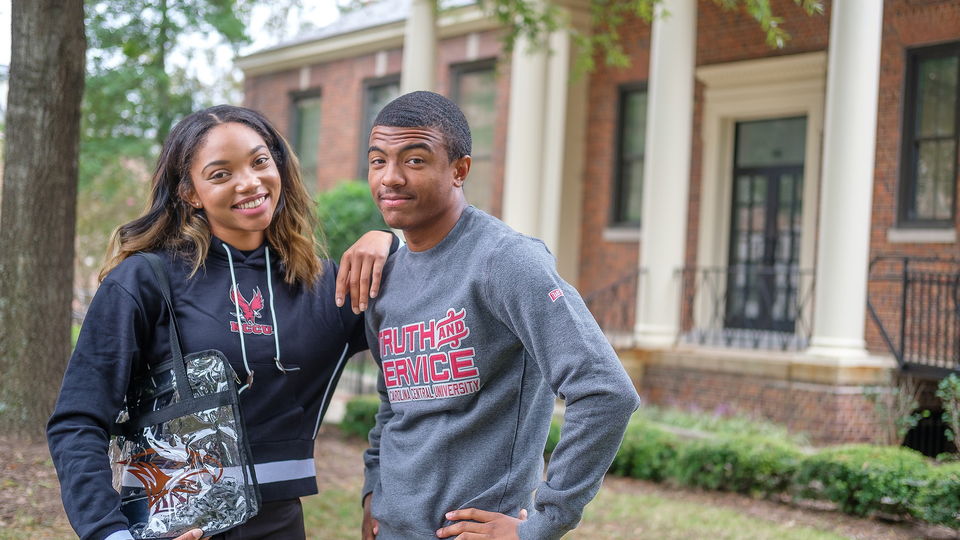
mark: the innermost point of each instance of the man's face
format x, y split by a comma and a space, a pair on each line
412, 179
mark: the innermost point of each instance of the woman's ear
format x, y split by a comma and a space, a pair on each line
189, 195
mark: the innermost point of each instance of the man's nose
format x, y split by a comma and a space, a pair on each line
392, 175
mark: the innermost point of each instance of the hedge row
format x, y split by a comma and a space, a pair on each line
860, 479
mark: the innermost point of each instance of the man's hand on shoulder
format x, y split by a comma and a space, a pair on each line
482, 524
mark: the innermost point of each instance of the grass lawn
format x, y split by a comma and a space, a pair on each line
335, 514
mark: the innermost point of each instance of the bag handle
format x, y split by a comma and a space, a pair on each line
179, 367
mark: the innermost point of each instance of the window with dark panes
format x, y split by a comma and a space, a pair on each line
928, 188
628, 171
475, 91
306, 136
376, 94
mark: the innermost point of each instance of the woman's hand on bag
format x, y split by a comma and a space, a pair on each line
191, 535
360, 269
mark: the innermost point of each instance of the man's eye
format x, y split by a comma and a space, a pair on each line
416, 161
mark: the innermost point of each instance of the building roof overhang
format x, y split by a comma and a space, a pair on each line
389, 35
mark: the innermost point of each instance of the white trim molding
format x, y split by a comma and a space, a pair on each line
921, 236
778, 87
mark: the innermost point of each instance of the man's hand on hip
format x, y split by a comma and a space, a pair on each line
481, 524
370, 527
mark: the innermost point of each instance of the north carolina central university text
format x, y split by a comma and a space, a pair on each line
414, 366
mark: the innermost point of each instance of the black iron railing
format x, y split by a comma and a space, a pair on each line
614, 307
747, 306
915, 302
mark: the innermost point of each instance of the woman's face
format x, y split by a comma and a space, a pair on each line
236, 182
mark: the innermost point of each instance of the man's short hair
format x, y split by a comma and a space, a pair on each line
430, 110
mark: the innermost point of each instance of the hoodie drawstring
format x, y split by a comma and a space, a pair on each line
273, 313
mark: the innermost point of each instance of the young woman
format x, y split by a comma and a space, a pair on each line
232, 221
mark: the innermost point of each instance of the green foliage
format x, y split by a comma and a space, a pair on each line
360, 416
533, 21
346, 212
645, 453
752, 465
939, 500
134, 92
862, 479
896, 408
553, 437
949, 393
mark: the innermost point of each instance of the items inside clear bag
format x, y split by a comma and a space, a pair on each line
187, 472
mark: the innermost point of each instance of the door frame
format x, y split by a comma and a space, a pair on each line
767, 88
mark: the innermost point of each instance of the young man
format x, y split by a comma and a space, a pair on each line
475, 334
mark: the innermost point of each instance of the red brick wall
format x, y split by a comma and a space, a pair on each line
729, 36
601, 262
906, 24
341, 83
722, 36
828, 414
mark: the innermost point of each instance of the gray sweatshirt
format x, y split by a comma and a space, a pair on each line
474, 338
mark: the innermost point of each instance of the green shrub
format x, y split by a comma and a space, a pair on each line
553, 437
939, 499
346, 212
645, 453
948, 390
752, 465
862, 479
360, 416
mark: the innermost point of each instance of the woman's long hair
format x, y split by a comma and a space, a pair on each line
170, 223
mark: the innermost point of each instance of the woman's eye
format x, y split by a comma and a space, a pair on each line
220, 175
261, 160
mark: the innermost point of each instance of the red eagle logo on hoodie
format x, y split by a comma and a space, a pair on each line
249, 312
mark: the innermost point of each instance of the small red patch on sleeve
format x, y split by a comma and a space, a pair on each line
555, 294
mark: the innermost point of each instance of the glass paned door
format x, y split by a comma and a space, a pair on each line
766, 222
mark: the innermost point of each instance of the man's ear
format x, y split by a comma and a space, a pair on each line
461, 168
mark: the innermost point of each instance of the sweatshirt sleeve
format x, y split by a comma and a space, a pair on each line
562, 337
371, 456
91, 396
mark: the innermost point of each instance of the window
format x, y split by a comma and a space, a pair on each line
928, 183
376, 94
306, 135
475, 91
628, 170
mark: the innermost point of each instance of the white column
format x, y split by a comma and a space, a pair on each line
843, 245
523, 170
419, 47
666, 172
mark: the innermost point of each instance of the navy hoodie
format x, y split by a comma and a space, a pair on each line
126, 325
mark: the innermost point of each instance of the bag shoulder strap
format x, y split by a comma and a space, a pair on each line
179, 367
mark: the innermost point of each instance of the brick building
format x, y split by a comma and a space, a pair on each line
768, 230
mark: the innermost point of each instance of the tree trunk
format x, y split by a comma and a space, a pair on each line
38, 208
